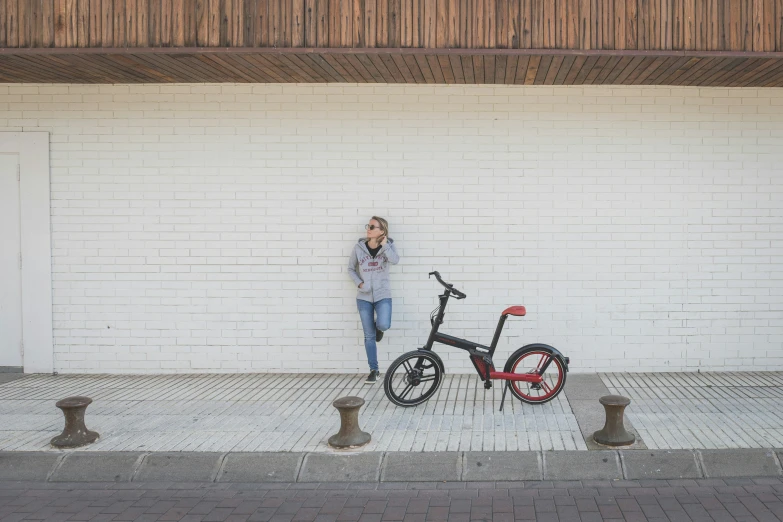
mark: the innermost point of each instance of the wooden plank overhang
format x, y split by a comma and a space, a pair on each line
519, 42
423, 66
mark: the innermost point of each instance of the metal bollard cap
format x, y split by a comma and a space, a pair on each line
73, 402
614, 400
348, 402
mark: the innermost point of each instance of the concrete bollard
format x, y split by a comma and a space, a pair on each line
75, 433
350, 435
613, 433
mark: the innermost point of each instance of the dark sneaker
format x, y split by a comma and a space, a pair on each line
373, 377
378, 335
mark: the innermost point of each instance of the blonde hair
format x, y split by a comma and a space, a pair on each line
383, 223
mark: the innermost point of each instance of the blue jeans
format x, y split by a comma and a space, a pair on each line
368, 312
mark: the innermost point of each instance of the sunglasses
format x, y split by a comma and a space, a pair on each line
371, 227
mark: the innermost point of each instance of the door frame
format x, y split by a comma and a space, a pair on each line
36, 237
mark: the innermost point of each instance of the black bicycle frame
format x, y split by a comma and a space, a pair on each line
484, 352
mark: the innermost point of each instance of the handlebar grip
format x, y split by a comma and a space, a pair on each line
441, 281
456, 293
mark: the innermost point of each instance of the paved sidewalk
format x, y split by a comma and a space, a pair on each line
293, 413
704, 410
269, 412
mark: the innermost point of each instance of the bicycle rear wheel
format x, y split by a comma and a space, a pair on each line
412, 378
533, 360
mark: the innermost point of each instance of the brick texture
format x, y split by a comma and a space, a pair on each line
207, 227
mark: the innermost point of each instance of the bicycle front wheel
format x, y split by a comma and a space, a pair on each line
412, 378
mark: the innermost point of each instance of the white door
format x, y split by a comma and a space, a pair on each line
10, 264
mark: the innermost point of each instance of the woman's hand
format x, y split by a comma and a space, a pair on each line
361, 285
383, 240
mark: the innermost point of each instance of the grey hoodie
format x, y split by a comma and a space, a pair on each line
373, 272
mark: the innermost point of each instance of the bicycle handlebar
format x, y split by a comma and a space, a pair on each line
448, 286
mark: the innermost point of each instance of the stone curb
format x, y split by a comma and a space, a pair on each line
454, 466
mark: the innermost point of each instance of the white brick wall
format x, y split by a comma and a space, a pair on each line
207, 227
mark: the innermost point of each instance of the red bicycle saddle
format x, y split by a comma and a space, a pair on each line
515, 310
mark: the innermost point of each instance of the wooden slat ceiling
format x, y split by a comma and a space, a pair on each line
389, 66
532, 42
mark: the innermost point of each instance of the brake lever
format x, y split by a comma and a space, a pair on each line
457, 294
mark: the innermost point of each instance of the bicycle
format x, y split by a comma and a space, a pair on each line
535, 373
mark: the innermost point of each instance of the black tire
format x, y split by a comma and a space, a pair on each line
530, 360
409, 372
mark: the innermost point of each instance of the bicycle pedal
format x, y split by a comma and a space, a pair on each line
487, 385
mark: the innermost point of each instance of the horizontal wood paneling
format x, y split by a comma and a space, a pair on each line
400, 66
721, 25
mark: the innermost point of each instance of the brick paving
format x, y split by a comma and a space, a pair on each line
583, 501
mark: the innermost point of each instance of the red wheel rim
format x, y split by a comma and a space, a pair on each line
547, 388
